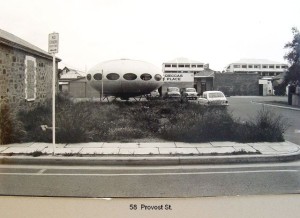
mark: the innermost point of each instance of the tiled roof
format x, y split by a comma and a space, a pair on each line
205, 73
16, 42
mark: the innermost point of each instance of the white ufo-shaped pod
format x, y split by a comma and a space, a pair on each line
125, 78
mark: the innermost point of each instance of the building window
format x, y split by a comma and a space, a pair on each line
244, 66
186, 65
168, 65
89, 77
264, 66
146, 76
256, 66
250, 66
180, 65
283, 66
277, 67
199, 65
236, 66
193, 66
30, 78
14, 59
4, 71
97, 76
157, 77
112, 76
271, 66
130, 76
174, 65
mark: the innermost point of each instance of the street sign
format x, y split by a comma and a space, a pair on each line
53, 43
179, 77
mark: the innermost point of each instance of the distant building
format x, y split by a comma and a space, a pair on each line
68, 75
25, 71
261, 67
204, 80
180, 72
74, 82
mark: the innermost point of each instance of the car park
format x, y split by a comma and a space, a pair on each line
213, 98
189, 93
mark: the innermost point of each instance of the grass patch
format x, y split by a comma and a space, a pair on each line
70, 154
11, 128
242, 151
36, 153
129, 121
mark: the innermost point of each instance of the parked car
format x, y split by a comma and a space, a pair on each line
213, 98
188, 93
153, 95
173, 93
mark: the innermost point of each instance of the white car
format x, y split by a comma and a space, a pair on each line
213, 98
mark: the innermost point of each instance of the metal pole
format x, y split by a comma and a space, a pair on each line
53, 104
102, 86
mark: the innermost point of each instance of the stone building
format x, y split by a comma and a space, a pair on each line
25, 71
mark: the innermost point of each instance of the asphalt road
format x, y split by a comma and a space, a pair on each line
246, 108
172, 181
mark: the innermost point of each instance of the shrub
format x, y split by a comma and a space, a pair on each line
125, 133
265, 127
11, 129
199, 125
174, 121
32, 120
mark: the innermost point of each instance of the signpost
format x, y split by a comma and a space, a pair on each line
53, 49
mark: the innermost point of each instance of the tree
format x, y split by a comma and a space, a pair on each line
293, 57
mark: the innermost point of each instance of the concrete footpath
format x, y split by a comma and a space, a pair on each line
148, 153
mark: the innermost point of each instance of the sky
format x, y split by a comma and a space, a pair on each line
156, 31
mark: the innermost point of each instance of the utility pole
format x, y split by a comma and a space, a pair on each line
102, 94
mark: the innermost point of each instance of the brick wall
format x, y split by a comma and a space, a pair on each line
24, 75
237, 84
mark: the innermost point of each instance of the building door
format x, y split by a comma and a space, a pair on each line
203, 87
261, 89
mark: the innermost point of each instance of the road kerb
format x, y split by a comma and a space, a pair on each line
148, 160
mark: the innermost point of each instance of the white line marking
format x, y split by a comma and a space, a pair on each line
271, 105
148, 174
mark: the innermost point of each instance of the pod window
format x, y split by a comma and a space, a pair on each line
130, 76
157, 77
146, 76
113, 76
89, 77
98, 76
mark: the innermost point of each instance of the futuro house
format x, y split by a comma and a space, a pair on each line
125, 78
